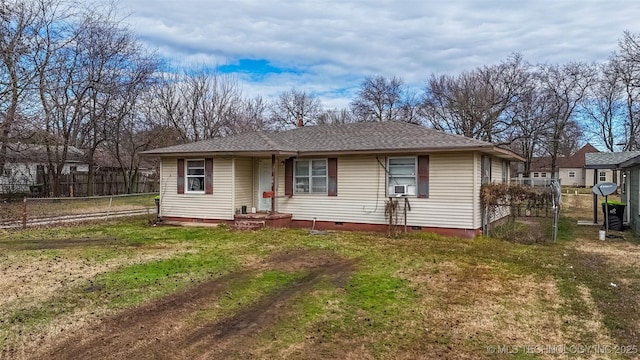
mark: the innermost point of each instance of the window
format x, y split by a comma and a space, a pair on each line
485, 169
535, 175
195, 176
603, 176
401, 179
505, 171
572, 174
310, 176
544, 174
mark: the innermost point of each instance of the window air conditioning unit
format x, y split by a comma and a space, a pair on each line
400, 189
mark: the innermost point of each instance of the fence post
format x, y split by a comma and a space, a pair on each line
24, 212
109, 209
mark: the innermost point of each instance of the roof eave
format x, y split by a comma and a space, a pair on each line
603, 166
487, 149
630, 162
218, 153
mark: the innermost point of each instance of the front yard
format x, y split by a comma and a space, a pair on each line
130, 290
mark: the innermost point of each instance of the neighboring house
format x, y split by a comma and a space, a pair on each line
631, 194
27, 164
334, 177
106, 161
627, 163
571, 170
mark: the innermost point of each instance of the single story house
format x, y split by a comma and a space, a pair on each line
631, 168
27, 165
334, 177
571, 170
628, 164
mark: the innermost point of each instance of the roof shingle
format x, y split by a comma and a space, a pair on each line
353, 137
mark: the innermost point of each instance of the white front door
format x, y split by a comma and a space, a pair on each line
264, 184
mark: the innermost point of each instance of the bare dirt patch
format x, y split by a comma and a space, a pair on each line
164, 328
28, 279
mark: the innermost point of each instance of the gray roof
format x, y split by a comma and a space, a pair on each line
337, 138
20, 152
612, 160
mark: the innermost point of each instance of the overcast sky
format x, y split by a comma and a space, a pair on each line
327, 47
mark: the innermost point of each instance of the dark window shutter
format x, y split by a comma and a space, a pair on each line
180, 176
208, 176
332, 189
423, 176
288, 177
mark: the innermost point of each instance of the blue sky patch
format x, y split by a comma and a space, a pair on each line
255, 68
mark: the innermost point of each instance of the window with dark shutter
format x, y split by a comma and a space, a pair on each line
423, 176
208, 176
288, 177
180, 180
332, 188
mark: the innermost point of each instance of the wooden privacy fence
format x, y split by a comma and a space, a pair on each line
104, 183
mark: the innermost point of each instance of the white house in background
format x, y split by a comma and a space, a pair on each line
571, 170
26, 166
333, 177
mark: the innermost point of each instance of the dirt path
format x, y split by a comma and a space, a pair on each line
164, 329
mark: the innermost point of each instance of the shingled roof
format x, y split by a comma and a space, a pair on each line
337, 138
575, 161
611, 160
37, 153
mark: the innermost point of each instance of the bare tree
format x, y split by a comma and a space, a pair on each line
198, 103
20, 44
474, 103
294, 105
564, 87
335, 116
603, 106
627, 66
379, 99
89, 79
528, 125
249, 116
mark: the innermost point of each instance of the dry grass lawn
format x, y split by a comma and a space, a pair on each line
128, 290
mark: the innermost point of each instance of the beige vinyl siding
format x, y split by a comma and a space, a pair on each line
218, 205
496, 177
477, 176
578, 180
244, 190
588, 177
496, 170
361, 194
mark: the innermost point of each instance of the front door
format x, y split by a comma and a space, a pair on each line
264, 184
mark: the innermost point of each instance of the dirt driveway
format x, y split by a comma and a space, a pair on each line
167, 328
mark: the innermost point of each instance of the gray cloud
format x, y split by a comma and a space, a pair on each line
335, 44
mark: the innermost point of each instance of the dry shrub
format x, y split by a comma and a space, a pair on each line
500, 194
